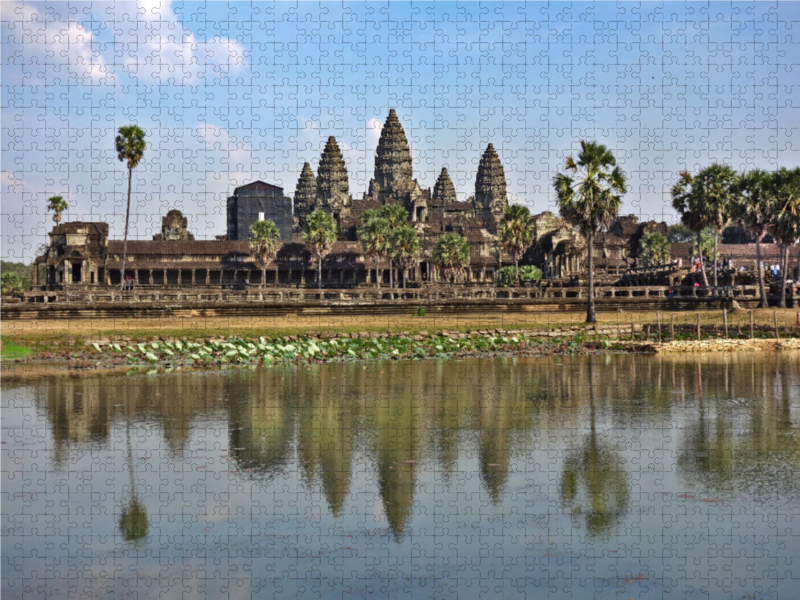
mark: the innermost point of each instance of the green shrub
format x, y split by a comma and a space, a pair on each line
530, 273
11, 283
421, 312
505, 277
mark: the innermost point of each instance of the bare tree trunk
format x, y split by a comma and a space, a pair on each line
702, 261
264, 278
516, 271
760, 270
125, 239
591, 317
377, 275
715, 258
784, 266
319, 273
405, 277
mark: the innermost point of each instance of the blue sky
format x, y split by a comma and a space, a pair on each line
231, 92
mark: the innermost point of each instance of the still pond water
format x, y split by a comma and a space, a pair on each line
590, 477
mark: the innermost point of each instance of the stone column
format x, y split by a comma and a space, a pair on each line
150, 276
136, 276
208, 276
194, 272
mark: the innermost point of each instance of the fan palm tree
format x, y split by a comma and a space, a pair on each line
130, 146
58, 205
752, 208
589, 197
373, 233
785, 221
451, 255
397, 217
319, 233
404, 248
710, 194
265, 239
517, 233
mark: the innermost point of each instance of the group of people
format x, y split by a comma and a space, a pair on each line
722, 263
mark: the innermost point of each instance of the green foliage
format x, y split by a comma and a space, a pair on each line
505, 277
319, 232
654, 248
373, 234
11, 283
421, 312
680, 234
130, 145
25, 272
57, 204
530, 273
516, 231
395, 215
265, 239
590, 192
403, 246
704, 200
451, 255
753, 204
784, 223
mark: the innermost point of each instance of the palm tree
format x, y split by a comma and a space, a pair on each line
404, 248
709, 193
373, 233
591, 200
785, 220
319, 233
654, 248
265, 239
58, 205
451, 255
752, 208
130, 147
517, 233
397, 217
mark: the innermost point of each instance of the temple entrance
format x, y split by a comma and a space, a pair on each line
423, 270
76, 272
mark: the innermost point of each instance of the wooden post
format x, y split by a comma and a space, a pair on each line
777, 331
648, 332
633, 330
658, 320
725, 321
751, 324
698, 327
672, 327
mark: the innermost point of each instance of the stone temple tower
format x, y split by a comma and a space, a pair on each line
444, 192
490, 189
392, 161
305, 195
333, 193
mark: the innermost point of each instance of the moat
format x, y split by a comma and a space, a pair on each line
615, 475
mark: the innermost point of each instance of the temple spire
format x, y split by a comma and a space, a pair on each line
332, 182
444, 192
392, 158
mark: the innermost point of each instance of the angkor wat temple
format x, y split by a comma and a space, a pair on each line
80, 253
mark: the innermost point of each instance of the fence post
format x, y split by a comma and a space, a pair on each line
725, 321
698, 327
751, 324
672, 327
777, 331
633, 330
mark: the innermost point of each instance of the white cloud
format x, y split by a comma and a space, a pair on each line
220, 140
157, 48
36, 37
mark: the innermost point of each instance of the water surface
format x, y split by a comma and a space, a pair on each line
607, 476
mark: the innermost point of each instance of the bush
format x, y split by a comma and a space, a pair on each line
530, 273
11, 284
505, 277
421, 312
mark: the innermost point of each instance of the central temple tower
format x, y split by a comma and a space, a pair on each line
392, 161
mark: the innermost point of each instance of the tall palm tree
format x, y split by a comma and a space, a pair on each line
319, 232
451, 255
397, 217
404, 248
752, 208
589, 197
58, 205
373, 233
517, 233
265, 239
785, 220
130, 147
709, 193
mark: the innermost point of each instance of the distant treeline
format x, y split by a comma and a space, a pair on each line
25, 272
